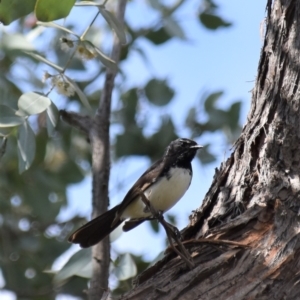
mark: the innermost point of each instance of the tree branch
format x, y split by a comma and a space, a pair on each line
83, 123
99, 136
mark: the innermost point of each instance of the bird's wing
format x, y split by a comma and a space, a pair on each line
148, 178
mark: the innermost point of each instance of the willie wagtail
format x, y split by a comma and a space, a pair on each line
164, 183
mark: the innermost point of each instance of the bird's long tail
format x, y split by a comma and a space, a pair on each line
96, 230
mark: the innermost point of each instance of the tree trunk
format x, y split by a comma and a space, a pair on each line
99, 136
255, 196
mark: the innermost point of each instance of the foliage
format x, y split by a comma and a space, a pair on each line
53, 155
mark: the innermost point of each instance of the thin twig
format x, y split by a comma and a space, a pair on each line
87, 29
170, 232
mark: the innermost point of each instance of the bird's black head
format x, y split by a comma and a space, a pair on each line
182, 150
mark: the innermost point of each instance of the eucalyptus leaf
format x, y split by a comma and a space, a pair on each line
79, 264
49, 10
130, 101
156, 4
15, 42
217, 119
8, 117
26, 146
210, 101
4, 132
44, 60
52, 118
212, 22
69, 172
11, 10
32, 103
54, 25
173, 29
205, 156
131, 142
171, 219
114, 23
83, 98
115, 234
154, 225
126, 267
158, 36
159, 140
234, 115
158, 92
106, 61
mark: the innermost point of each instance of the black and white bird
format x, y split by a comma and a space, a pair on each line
163, 184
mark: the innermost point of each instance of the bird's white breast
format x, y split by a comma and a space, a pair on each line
163, 194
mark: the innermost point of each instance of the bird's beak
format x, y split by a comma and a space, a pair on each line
197, 147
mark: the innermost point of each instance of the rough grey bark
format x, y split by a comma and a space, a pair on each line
255, 195
99, 137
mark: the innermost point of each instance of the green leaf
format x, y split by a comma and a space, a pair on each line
52, 118
115, 234
126, 267
234, 115
210, 101
131, 142
173, 29
171, 219
205, 156
70, 173
11, 10
75, 287
210, 5
54, 25
154, 225
130, 100
212, 22
191, 118
49, 10
158, 92
217, 119
159, 36
80, 264
15, 42
4, 132
8, 117
83, 98
26, 146
44, 60
114, 23
158, 141
33, 103
106, 61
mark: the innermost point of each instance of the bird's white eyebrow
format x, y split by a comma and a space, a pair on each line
185, 141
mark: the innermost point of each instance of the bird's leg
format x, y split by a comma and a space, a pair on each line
172, 232
175, 230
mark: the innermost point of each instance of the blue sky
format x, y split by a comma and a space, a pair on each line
226, 59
